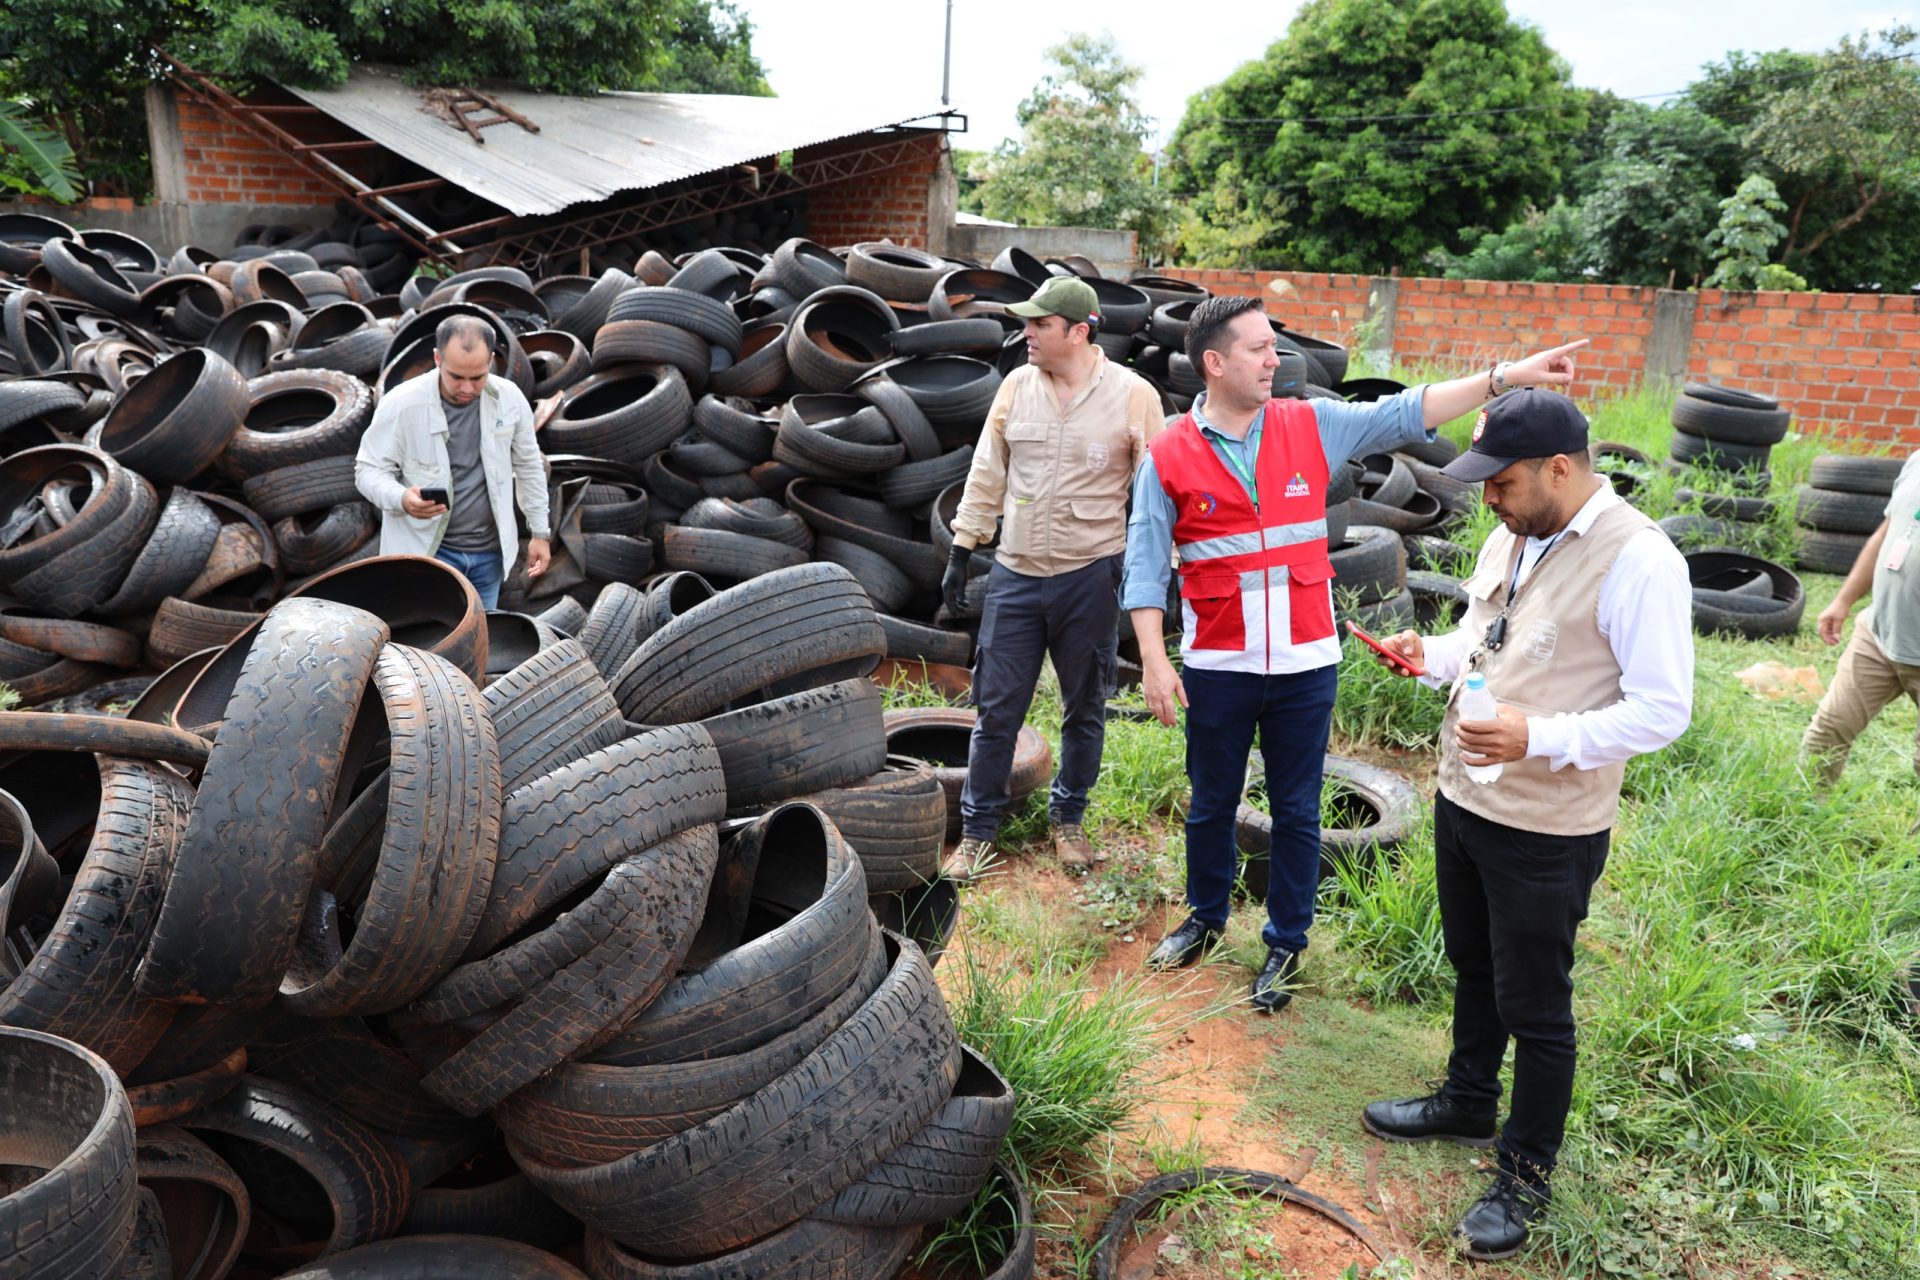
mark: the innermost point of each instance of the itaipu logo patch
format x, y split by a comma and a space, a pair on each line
1206, 505
1479, 427
1298, 487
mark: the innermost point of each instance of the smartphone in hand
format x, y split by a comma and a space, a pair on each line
1359, 633
436, 494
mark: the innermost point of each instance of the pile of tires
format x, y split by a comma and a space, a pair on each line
1729, 430
1745, 596
727, 413
1387, 520
392, 918
1840, 507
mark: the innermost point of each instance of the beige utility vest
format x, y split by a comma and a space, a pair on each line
1068, 474
1553, 660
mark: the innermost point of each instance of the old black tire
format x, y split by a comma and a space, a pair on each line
762, 1165
1850, 473
65, 1113
788, 630
1829, 552
807, 741
1837, 511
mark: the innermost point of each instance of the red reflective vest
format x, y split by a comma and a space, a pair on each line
1255, 583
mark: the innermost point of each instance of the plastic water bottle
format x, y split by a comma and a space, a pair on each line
1476, 703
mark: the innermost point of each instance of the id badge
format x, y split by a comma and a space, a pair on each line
1897, 554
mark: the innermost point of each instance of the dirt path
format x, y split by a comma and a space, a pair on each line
1209, 1076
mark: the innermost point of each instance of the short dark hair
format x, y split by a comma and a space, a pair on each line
468, 331
1207, 327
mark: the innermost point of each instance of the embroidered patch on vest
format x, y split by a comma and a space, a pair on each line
1479, 427
1536, 646
1206, 504
1096, 456
1297, 487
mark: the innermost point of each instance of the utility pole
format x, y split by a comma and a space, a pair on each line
946, 62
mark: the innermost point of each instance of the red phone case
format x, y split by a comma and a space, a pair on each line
1358, 633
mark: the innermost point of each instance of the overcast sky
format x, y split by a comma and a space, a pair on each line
891, 52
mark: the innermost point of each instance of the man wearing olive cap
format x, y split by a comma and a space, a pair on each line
1052, 469
1579, 615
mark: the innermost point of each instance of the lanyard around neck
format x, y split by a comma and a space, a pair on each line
1520, 558
1240, 468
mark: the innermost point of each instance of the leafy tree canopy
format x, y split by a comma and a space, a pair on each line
1374, 132
1079, 161
561, 46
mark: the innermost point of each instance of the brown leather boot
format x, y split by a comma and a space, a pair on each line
1075, 851
969, 861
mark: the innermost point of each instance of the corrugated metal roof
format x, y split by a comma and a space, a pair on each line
588, 148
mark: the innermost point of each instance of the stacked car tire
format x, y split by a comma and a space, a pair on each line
1840, 507
393, 918
1728, 430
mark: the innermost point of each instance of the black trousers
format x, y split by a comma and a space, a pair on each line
1071, 616
1510, 902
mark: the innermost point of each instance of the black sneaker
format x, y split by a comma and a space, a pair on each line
1273, 990
1184, 945
1426, 1119
1497, 1225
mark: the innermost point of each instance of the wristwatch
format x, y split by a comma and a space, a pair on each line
1499, 377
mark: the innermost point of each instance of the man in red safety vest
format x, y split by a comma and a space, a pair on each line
1237, 487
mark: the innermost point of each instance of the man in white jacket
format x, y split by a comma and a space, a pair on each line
445, 457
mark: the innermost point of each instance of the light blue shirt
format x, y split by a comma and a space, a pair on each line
1346, 431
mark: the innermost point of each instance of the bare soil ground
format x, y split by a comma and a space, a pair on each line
1217, 1091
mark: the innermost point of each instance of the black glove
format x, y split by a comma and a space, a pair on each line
953, 583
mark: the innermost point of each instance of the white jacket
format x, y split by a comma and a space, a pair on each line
406, 445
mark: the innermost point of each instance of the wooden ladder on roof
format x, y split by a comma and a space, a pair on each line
468, 109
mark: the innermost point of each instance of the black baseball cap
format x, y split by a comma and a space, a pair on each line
1524, 423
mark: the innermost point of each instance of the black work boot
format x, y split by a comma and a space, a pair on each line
1434, 1117
1184, 945
1273, 989
1497, 1225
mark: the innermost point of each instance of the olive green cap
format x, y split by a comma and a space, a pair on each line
1068, 297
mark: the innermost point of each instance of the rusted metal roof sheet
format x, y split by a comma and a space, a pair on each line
588, 148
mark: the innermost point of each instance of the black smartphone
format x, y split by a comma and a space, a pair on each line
434, 495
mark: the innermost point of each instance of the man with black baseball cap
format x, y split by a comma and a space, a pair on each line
1055, 460
1579, 616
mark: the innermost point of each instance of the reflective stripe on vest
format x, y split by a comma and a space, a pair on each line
1254, 580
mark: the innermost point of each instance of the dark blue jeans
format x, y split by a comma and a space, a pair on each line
1293, 714
481, 568
1073, 617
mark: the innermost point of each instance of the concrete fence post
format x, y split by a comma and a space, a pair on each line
1383, 301
1670, 345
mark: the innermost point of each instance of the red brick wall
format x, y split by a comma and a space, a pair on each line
226, 164
888, 205
1848, 361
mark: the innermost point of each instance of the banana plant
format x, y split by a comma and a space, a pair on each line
49, 158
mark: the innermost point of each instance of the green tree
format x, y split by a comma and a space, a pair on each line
1648, 201
1744, 240
44, 161
1849, 136
1376, 131
1079, 161
1543, 245
84, 65
712, 52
